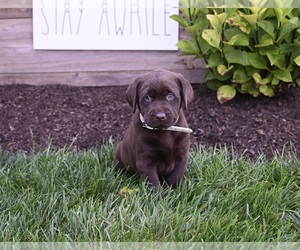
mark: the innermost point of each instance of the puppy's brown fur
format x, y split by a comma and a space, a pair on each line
160, 96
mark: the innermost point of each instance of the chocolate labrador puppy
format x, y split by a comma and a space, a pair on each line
157, 141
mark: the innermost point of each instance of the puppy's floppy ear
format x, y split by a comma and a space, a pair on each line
132, 94
186, 91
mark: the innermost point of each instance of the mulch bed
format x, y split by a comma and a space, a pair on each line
87, 117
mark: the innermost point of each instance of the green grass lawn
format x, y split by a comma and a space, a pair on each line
66, 195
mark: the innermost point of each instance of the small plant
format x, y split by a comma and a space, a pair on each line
247, 50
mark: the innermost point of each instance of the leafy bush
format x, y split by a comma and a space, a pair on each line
249, 50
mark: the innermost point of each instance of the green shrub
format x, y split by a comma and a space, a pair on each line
247, 50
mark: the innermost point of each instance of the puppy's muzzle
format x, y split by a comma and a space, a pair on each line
160, 119
160, 116
172, 128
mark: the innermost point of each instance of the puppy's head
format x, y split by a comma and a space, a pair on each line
159, 95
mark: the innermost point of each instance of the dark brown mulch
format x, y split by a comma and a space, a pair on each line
89, 116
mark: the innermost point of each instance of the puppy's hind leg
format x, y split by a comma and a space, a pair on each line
118, 161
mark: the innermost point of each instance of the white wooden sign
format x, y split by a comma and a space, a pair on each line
105, 24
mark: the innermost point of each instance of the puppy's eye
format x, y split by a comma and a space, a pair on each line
170, 96
148, 98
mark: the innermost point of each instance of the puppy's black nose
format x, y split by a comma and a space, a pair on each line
160, 116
